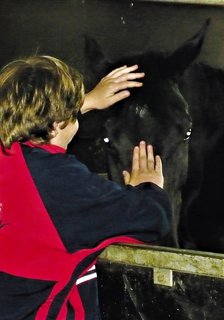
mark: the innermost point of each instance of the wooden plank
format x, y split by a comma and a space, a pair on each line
188, 261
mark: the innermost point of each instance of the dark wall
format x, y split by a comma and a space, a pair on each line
57, 27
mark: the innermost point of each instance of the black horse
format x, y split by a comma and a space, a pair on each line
202, 224
157, 113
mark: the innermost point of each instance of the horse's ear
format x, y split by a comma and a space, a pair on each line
96, 61
178, 61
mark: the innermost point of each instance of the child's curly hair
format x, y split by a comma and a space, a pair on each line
35, 92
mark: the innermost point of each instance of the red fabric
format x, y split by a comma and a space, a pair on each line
48, 147
30, 246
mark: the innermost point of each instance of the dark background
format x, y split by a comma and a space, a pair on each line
57, 27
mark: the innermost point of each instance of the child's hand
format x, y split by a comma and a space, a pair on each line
145, 168
112, 88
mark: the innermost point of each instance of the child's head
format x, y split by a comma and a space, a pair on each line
35, 93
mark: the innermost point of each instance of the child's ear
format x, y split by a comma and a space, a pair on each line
55, 130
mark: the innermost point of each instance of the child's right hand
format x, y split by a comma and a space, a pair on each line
145, 167
112, 88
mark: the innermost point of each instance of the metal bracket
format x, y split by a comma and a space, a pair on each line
163, 277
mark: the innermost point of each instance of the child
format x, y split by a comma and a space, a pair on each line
56, 216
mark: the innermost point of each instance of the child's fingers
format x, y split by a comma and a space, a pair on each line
126, 176
124, 70
115, 71
135, 159
158, 165
151, 160
143, 155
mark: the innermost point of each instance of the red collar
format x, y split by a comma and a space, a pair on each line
52, 148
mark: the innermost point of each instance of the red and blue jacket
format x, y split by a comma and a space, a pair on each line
56, 217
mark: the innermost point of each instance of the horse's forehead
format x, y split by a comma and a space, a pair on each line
158, 95
168, 91
141, 110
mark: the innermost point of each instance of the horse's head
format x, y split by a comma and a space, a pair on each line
157, 113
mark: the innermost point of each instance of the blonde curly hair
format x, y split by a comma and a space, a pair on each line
35, 92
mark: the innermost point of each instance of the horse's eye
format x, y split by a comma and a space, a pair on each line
106, 139
187, 135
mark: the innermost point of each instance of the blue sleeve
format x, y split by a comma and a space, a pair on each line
87, 208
